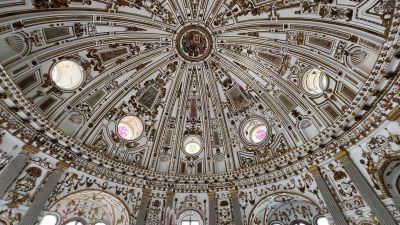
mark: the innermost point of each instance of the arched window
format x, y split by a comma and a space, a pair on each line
190, 217
49, 220
322, 221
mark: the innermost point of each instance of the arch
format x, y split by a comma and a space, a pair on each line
300, 222
271, 203
361, 58
72, 122
376, 166
192, 214
275, 223
163, 163
219, 164
380, 174
12, 46
89, 204
190, 205
392, 180
308, 129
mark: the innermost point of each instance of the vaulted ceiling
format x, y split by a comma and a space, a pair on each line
196, 89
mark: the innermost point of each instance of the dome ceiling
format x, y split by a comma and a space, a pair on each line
204, 87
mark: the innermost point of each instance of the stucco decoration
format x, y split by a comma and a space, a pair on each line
91, 206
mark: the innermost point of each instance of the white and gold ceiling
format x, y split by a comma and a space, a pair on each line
216, 93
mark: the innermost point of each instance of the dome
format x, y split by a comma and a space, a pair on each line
254, 109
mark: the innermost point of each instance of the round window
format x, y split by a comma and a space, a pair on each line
192, 145
49, 220
130, 128
315, 81
254, 131
67, 75
258, 134
322, 221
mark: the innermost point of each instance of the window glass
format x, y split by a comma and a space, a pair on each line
190, 222
322, 221
49, 220
130, 128
67, 75
315, 81
254, 130
258, 134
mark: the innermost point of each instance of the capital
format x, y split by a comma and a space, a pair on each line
29, 149
170, 193
342, 154
146, 190
313, 169
62, 166
211, 194
233, 191
395, 115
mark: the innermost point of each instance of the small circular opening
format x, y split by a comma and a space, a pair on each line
130, 128
67, 75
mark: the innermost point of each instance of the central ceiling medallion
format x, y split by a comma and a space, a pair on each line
192, 145
194, 42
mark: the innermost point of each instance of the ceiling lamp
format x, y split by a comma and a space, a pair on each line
192, 145
67, 75
254, 131
130, 128
315, 81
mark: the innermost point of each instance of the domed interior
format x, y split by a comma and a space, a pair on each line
202, 112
